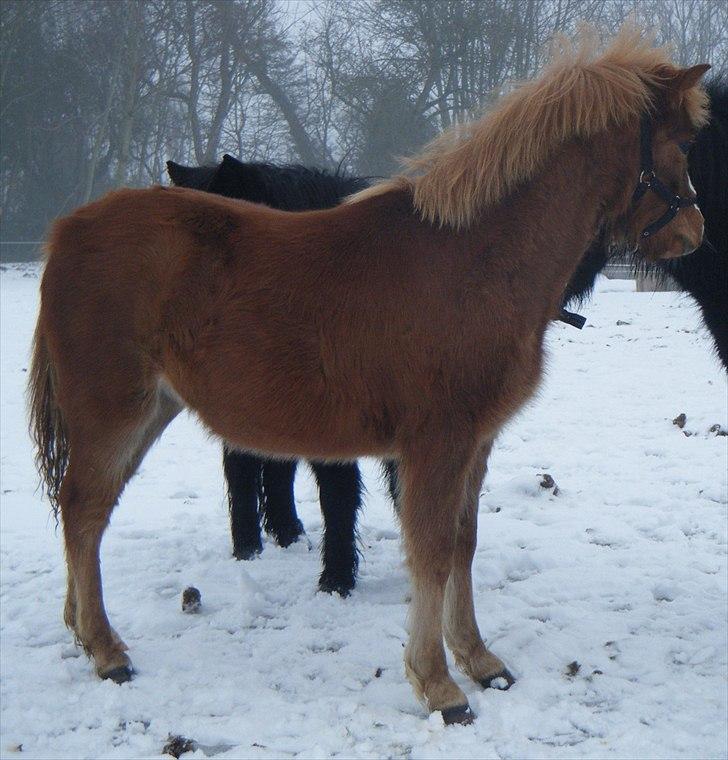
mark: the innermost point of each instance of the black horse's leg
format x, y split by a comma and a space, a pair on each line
340, 490
242, 473
277, 502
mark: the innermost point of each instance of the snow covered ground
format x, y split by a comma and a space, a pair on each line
607, 600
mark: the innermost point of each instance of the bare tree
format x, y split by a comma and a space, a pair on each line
97, 93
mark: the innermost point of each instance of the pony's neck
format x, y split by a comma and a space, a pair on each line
558, 214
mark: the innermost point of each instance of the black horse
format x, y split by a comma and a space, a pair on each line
260, 487
704, 273
265, 487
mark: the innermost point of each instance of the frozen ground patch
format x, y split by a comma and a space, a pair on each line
607, 598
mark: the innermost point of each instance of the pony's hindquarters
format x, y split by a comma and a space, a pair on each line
96, 408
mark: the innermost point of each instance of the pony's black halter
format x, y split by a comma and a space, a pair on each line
649, 181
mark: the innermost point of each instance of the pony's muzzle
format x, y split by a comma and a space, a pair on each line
687, 236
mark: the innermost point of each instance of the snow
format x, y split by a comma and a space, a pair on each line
606, 595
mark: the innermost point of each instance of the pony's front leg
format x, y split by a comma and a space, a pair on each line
459, 624
433, 490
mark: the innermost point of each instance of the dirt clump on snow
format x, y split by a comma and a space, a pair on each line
191, 600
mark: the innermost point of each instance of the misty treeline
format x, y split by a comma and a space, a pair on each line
97, 94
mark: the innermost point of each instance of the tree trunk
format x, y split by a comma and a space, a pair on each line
134, 24
103, 123
226, 84
308, 153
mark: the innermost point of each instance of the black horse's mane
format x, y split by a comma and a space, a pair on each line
290, 186
703, 274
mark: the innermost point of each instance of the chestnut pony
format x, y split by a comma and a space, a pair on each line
405, 324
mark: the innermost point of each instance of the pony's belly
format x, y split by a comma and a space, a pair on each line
278, 434
286, 424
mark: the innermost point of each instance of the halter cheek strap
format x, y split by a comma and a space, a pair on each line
648, 180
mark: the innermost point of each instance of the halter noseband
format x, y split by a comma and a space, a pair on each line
649, 181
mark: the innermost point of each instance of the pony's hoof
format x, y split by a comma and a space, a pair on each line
459, 715
122, 674
502, 680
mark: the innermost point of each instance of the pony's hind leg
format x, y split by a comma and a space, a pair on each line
100, 464
86, 505
340, 496
459, 624
433, 489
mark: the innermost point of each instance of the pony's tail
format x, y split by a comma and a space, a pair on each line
47, 428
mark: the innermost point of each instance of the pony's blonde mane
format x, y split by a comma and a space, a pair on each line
579, 94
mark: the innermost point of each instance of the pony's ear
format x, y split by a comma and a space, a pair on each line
687, 78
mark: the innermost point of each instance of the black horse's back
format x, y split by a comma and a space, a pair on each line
260, 488
704, 273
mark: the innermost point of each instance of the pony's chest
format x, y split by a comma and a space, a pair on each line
509, 375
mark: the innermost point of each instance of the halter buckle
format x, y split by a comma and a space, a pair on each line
646, 177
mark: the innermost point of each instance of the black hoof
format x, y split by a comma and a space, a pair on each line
290, 535
504, 680
122, 674
341, 586
247, 552
460, 715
